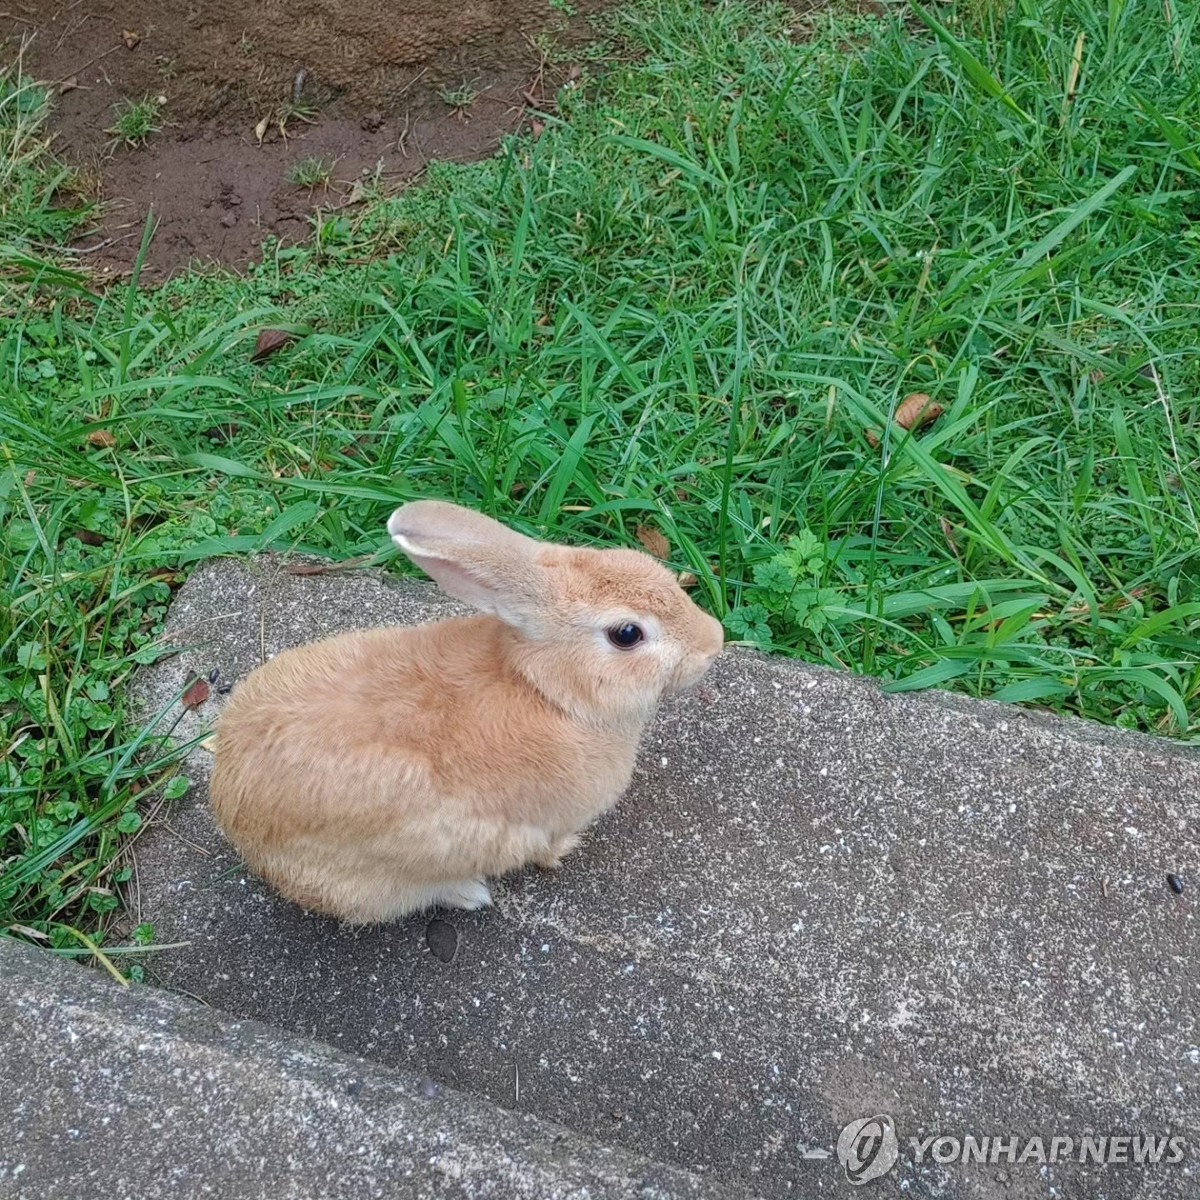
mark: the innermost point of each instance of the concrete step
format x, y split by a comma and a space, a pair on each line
112, 1092
817, 903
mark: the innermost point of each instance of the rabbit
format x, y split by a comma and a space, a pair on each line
382, 772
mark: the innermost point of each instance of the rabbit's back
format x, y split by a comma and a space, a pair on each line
401, 754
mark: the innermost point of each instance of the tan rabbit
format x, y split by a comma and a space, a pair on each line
380, 772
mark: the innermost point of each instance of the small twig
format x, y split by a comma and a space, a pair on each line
90, 62
123, 949
509, 107
70, 29
137, 888
498, 100
165, 824
112, 241
413, 81
327, 568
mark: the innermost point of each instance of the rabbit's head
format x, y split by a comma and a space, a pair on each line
604, 633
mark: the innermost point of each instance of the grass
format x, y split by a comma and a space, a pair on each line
39, 198
311, 173
686, 305
135, 121
460, 98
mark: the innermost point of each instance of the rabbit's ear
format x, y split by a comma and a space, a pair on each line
475, 559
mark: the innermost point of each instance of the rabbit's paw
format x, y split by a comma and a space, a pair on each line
468, 894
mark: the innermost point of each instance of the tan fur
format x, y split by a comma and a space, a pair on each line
383, 771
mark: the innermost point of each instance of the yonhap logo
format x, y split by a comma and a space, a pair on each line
868, 1149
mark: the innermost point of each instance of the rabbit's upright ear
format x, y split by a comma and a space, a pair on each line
475, 559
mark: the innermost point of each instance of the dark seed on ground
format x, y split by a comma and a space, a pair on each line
442, 939
1175, 884
214, 675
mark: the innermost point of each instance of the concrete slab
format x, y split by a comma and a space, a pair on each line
111, 1093
817, 903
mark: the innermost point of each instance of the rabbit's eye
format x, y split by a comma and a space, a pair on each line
625, 637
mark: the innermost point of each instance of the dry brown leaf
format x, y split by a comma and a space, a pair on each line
102, 439
653, 541
68, 85
260, 130
269, 341
196, 694
537, 128
30, 478
948, 534
917, 410
89, 538
131, 38
687, 581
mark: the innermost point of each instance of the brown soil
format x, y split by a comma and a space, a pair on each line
358, 83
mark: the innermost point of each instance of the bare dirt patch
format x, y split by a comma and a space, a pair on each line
373, 88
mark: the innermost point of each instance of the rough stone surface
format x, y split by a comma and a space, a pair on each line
817, 902
111, 1093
